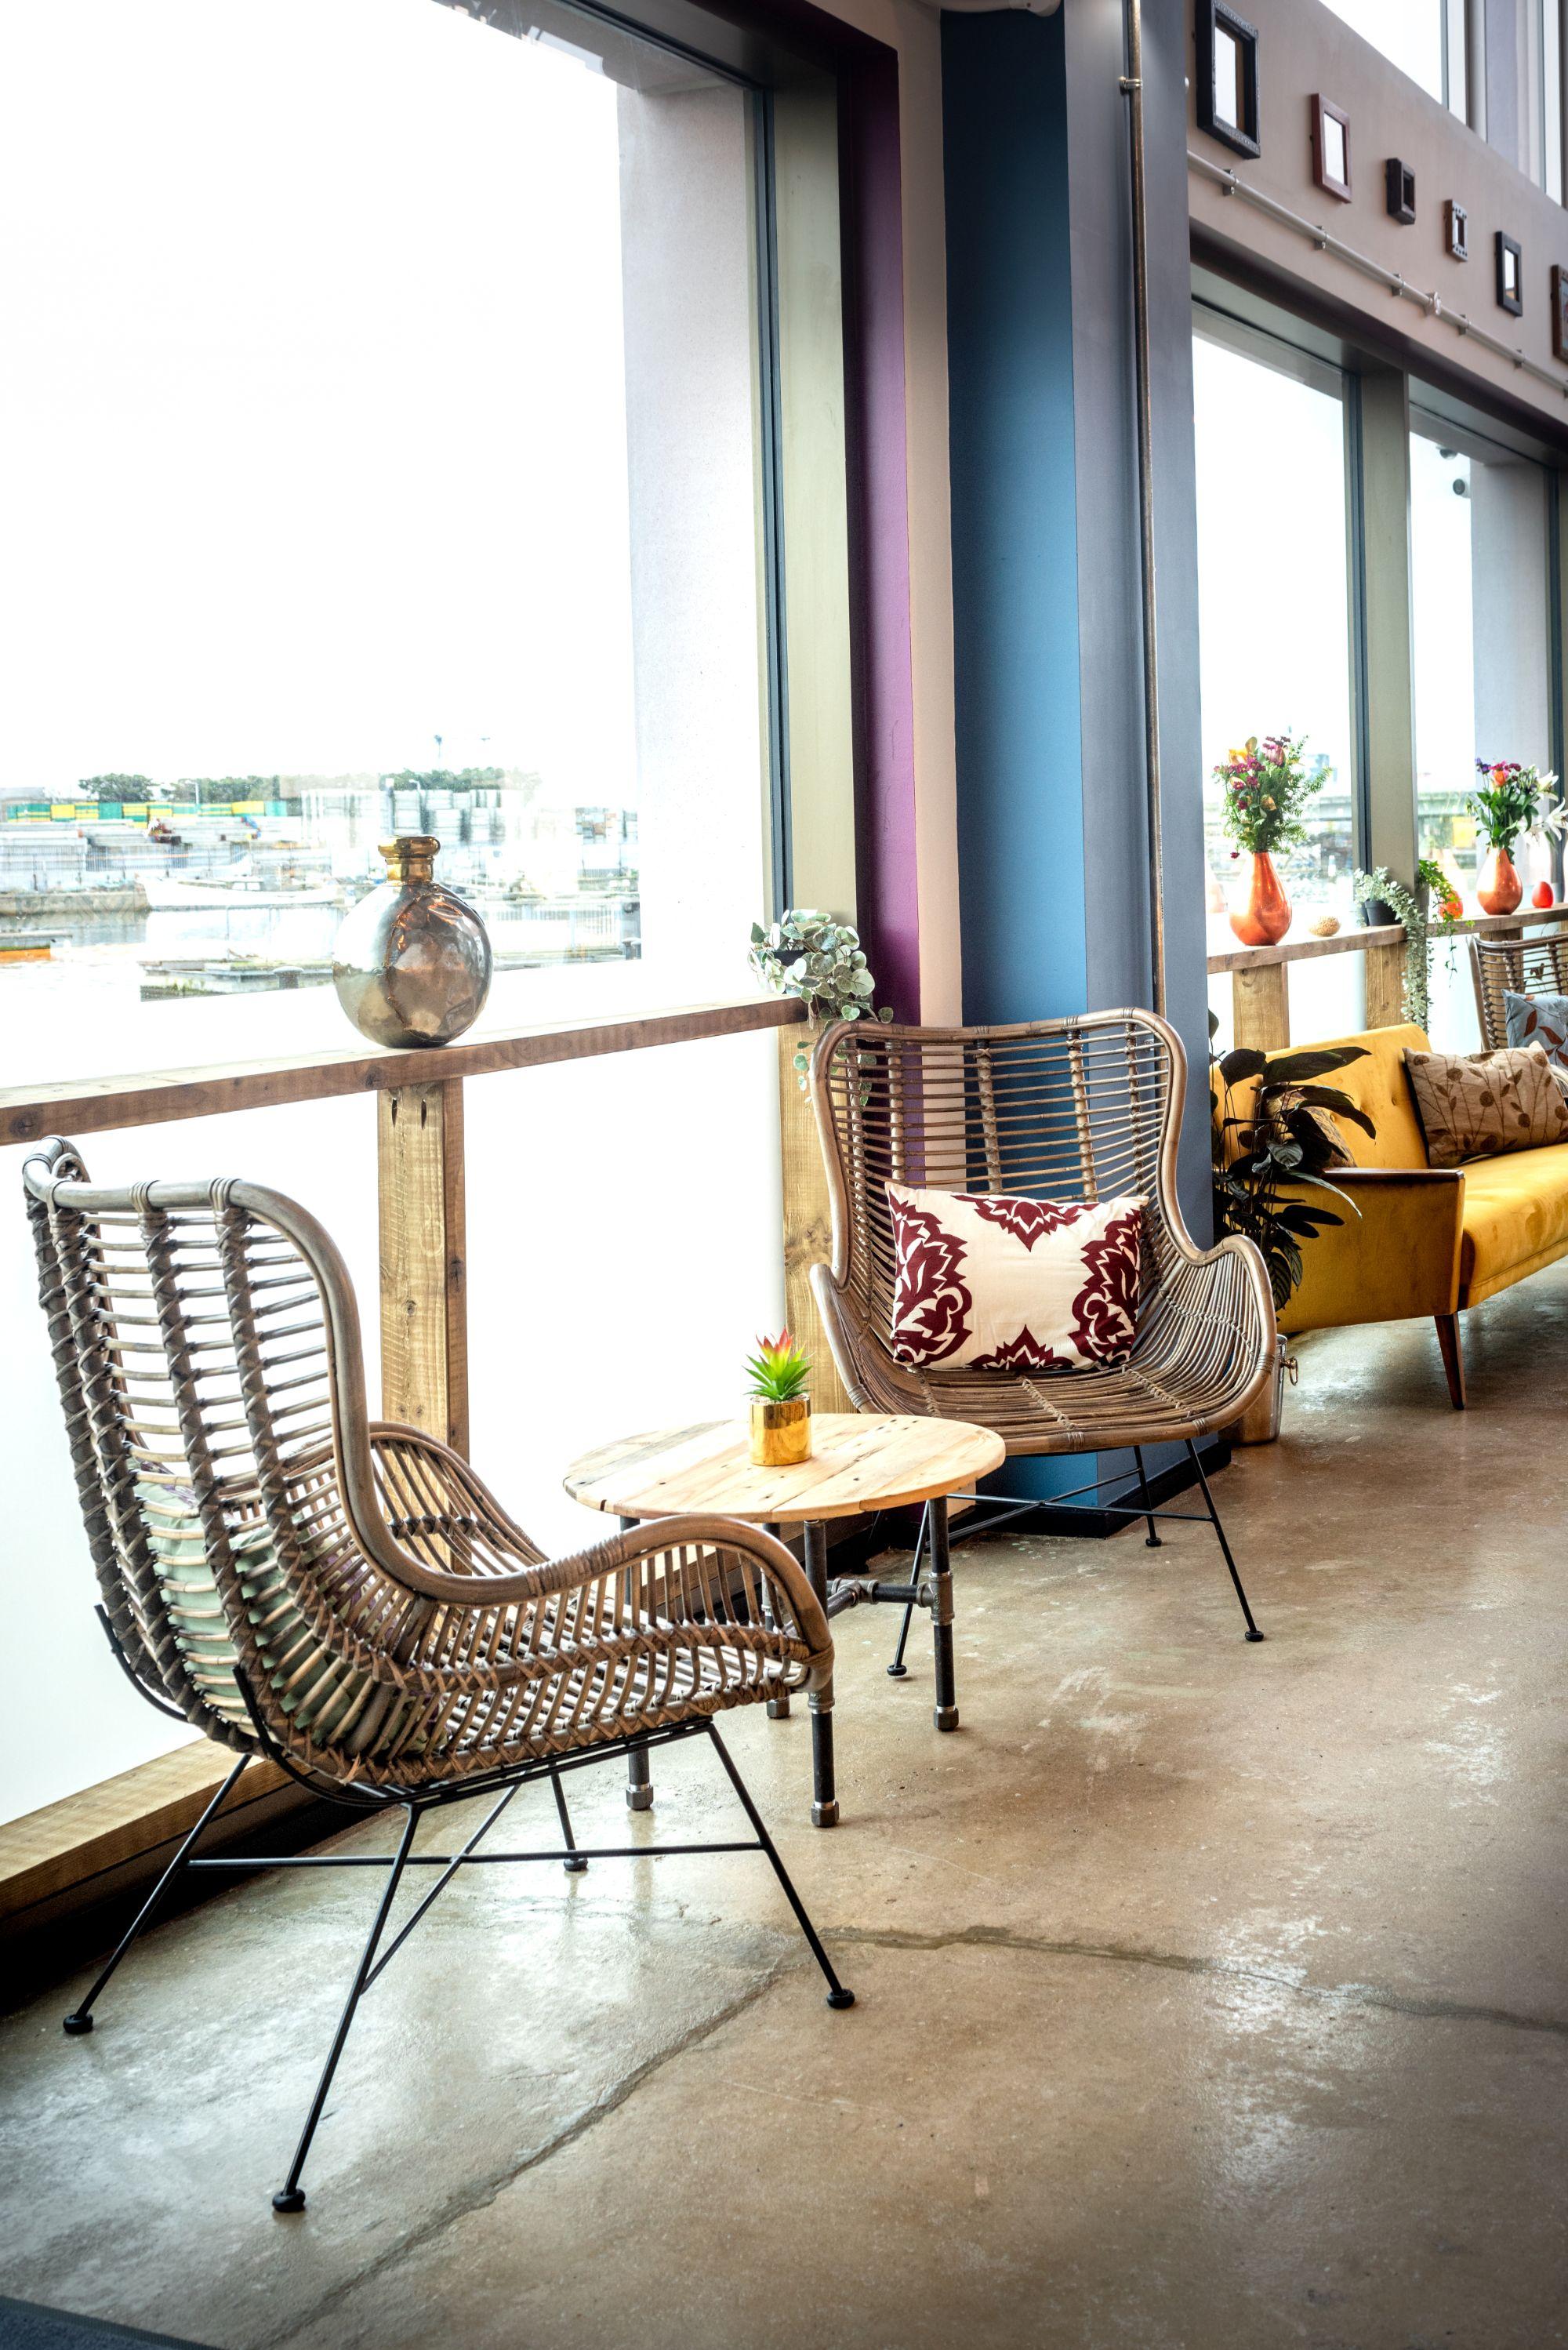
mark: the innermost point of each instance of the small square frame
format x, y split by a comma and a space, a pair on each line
1455, 231
1399, 183
1218, 23
1559, 312
1509, 275
1324, 112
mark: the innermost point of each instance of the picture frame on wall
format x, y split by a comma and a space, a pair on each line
1331, 146
1455, 231
1559, 312
1227, 77
1509, 275
1399, 183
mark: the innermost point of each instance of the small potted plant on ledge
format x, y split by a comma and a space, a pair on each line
781, 1403
1502, 803
1267, 785
820, 961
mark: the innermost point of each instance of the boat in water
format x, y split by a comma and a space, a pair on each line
237, 889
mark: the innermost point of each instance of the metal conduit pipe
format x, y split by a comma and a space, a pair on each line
1132, 89
1432, 305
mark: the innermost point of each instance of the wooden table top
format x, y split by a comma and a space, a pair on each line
861, 1461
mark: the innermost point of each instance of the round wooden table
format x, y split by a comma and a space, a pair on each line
860, 1461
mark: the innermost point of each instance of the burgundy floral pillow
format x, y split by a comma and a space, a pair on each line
1002, 1284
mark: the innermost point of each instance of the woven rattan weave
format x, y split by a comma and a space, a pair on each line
1514, 967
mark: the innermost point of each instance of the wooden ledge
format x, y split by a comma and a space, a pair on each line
1389, 935
66, 1847
78, 1105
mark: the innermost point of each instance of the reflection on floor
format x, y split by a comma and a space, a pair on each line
1209, 1994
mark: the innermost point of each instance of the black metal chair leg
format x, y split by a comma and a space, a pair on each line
572, 1867
1152, 1541
290, 2196
1253, 1632
80, 2020
899, 1670
837, 1994
947, 1714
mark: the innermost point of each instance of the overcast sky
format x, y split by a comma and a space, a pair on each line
312, 413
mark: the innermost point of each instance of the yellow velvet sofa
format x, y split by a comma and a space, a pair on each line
1428, 1240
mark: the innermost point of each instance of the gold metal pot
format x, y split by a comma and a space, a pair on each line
1260, 1423
781, 1433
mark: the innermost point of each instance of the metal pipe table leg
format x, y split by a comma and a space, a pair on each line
778, 1707
824, 1794
639, 1777
946, 1715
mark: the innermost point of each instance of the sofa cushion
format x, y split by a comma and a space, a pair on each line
335, 1702
1515, 1218
1014, 1283
1477, 1105
1539, 1020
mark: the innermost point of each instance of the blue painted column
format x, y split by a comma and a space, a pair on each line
1053, 837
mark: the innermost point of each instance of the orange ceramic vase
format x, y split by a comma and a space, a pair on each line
1497, 886
1266, 916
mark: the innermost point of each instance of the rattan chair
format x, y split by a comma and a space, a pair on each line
1069, 1110
348, 1600
1514, 967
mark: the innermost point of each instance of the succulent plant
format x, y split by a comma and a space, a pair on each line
779, 1371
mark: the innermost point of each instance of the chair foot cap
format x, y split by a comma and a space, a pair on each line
945, 1717
575, 1868
1154, 1542
778, 1709
825, 1816
289, 2199
841, 1998
898, 1672
639, 1799
1253, 1634
76, 2023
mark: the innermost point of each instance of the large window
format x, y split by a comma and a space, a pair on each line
1425, 38
1275, 597
1480, 543
382, 421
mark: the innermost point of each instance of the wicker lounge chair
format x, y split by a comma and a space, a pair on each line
1514, 967
1072, 1110
348, 1600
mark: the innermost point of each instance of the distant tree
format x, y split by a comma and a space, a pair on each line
442, 779
136, 789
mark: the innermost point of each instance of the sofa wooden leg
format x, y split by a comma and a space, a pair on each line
1452, 1345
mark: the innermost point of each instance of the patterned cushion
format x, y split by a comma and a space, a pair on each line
1005, 1284
1478, 1105
336, 1702
1541, 1020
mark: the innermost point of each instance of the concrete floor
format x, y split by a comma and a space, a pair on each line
1209, 1994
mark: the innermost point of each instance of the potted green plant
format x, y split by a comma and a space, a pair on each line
1266, 785
1268, 1148
820, 961
1383, 898
779, 1375
1502, 804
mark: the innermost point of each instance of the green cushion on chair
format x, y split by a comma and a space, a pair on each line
334, 1702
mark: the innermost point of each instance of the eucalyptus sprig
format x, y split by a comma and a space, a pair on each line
779, 1371
1412, 909
820, 962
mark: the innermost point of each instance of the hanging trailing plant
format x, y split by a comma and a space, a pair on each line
821, 963
1412, 907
